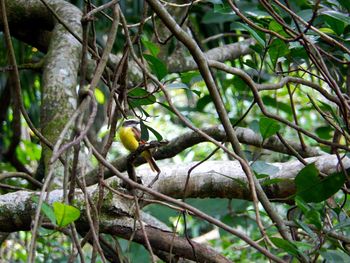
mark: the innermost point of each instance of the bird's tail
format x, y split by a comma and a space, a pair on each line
152, 163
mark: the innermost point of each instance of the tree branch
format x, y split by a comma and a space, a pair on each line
116, 219
189, 139
226, 179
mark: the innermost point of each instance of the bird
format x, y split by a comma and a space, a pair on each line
130, 137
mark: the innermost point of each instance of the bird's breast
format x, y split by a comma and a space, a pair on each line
128, 139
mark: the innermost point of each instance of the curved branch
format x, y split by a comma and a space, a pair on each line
17, 210
168, 242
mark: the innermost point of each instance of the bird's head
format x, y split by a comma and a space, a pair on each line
131, 123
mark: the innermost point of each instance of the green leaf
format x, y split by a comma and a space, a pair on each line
166, 106
221, 13
311, 188
345, 4
272, 181
184, 87
28, 151
262, 176
212, 17
272, 102
153, 48
155, 133
314, 217
334, 256
65, 214
203, 102
302, 246
191, 77
157, 66
239, 84
324, 132
287, 246
257, 14
140, 96
46, 209
268, 127
100, 97
144, 131
303, 206
335, 24
278, 28
258, 36
327, 30
306, 228
277, 49
337, 15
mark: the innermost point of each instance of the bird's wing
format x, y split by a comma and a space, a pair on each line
137, 133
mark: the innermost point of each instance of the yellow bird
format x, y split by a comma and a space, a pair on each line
130, 136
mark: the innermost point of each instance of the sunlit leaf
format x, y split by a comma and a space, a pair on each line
153, 48
65, 214
278, 28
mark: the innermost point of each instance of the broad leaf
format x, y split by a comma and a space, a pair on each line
311, 188
144, 131
153, 48
268, 127
285, 245
334, 256
277, 49
278, 28
324, 132
65, 214
155, 133
157, 66
138, 97
46, 209
259, 37
314, 217
203, 102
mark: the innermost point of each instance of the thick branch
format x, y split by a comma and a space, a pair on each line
60, 74
189, 139
117, 215
226, 179
180, 63
168, 242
